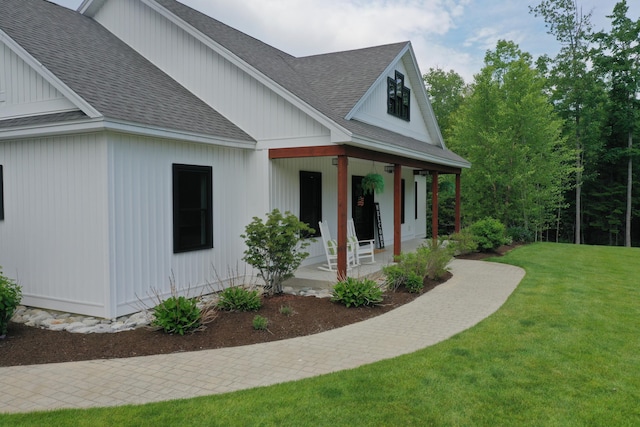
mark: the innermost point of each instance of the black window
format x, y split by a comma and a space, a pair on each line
311, 200
1, 196
398, 97
192, 208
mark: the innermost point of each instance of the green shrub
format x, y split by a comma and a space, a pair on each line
177, 315
395, 275
237, 298
412, 268
414, 283
463, 242
275, 247
260, 323
10, 296
489, 233
437, 261
415, 262
286, 310
354, 292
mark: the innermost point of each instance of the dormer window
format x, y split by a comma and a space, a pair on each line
398, 100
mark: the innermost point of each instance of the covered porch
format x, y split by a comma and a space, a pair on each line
313, 278
341, 155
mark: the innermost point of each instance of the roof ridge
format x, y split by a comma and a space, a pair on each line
351, 51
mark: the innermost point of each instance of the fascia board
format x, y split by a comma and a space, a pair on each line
51, 78
244, 66
90, 7
99, 124
423, 100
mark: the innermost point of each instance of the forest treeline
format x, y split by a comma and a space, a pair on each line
551, 140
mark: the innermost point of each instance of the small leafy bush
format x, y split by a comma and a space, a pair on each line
286, 310
276, 248
237, 298
489, 233
396, 276
414, 283
177, 315
463, 242
437, 261
10, 296
412, 268
260, 323
355, 292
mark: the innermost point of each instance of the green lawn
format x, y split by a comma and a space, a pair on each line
564, 350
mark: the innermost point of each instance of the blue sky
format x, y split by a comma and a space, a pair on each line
449, 34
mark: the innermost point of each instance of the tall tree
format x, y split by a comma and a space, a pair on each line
575, 92
507, 129
618, 58
446, 91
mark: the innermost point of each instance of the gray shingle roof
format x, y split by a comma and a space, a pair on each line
330, 83
121, 84
109, 75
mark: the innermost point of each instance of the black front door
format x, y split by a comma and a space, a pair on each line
362, 209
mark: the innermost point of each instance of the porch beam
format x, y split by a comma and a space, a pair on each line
434, 206
343, 173
397, 209
297, 152
358, 153
458, 225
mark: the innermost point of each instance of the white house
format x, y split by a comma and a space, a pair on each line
139, 137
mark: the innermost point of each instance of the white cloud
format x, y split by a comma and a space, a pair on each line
317, 26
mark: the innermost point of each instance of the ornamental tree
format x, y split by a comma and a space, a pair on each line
275, 247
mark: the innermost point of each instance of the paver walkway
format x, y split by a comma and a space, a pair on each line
476, 290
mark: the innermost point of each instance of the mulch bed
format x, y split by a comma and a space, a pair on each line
26, 345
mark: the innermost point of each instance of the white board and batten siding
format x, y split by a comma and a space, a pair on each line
88, 222
23, 92
141, 217
54, 238
238, 96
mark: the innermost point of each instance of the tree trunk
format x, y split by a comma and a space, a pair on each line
627, 237
579, 164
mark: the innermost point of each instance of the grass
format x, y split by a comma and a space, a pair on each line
563, 351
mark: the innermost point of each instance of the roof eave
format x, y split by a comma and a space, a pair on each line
120, 126
390, 148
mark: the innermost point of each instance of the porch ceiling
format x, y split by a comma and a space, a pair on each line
359, 153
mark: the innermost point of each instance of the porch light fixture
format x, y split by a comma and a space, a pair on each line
423, 172
389, 168
334, 161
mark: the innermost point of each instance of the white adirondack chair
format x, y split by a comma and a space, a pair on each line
331, 249
364, 248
